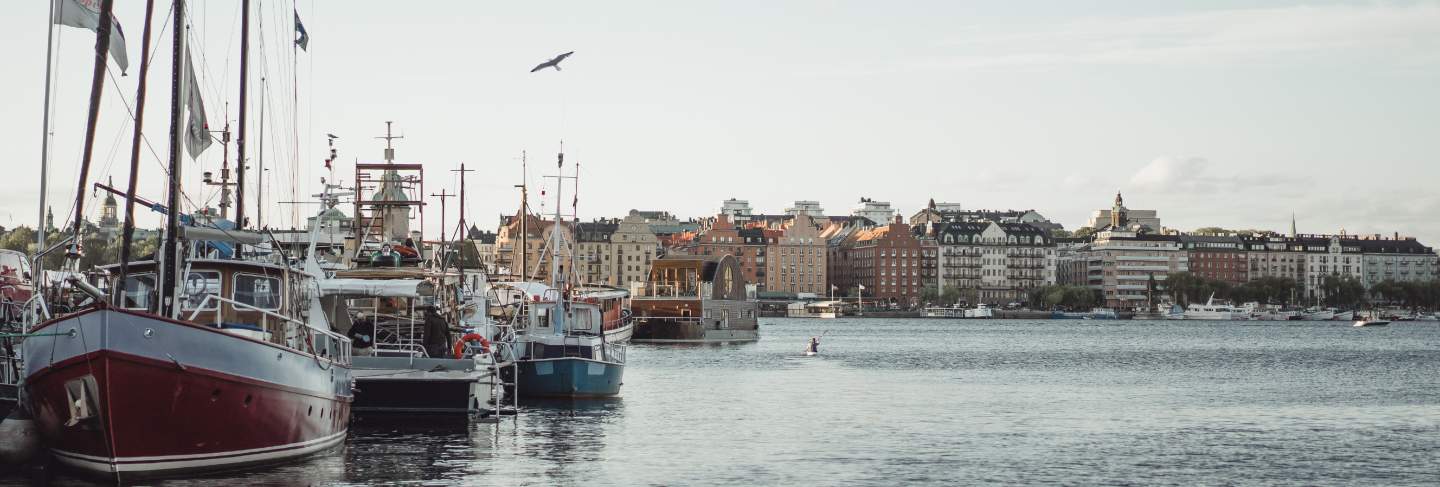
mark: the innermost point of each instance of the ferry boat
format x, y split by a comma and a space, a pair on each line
692, 298
1212, 311
1316, 314
248, 368
815, 309
1093, 314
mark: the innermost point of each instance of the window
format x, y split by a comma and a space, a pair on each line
258, 291
140, 291
198, 285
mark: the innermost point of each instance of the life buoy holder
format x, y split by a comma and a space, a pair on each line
471, 337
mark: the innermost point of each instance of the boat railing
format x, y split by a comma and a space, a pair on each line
321, 343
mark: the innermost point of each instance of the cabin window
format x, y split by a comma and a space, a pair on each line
259, 291
198, 285
139, 291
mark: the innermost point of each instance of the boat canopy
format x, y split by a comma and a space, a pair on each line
532, 290
388, 288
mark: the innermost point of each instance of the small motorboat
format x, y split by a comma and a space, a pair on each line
1364, 323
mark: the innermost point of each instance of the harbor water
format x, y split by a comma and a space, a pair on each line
916, 401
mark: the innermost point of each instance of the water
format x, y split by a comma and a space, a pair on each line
962, 402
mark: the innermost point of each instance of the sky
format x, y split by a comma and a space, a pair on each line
1214, 113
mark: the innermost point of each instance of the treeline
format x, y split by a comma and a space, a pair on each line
1065, 296
1340, 291
95, 248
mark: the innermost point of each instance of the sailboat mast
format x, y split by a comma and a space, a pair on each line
524, 216
45, 139
170, 251
240, 139
128, 230
556, 277
97, 87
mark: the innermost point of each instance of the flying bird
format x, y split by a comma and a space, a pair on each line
553, 63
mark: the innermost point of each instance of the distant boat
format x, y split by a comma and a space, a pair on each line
1319, 314
1094, 314
1344, 315
817, 309
1370, 322
1212, 311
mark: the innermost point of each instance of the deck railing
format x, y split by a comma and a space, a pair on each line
321, 343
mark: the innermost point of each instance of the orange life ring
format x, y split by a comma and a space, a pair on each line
471, 337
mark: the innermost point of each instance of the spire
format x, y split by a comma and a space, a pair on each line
932, 203
1293, 233
1119, 200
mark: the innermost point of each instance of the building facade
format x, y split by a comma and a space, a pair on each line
1128, 267
992, 262
796, 259
1218, 257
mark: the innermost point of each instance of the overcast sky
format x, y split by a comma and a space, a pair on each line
1212, 112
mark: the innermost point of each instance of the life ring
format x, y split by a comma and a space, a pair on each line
471, 337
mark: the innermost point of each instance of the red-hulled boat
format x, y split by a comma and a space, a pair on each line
248, 374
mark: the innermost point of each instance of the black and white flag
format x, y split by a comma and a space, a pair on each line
304, 37
197, 129
85, 14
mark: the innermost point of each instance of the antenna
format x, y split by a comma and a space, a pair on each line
389, 147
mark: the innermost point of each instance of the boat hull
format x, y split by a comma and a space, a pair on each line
161, 397
622, 333
399, 385
662, 330
571, 377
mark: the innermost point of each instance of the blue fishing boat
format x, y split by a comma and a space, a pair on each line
562, 348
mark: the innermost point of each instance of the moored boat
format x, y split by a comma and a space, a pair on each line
248, 371
697, 299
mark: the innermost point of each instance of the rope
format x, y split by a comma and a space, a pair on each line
27, 335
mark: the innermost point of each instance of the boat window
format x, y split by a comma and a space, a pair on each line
139, 291
198, 285
258, 291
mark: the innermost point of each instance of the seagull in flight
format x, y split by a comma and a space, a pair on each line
553, 63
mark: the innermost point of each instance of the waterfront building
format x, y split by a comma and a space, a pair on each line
109, 225
536, 248
796, 258
992, 262
1398, 259
723, 237
1218, 257
1102, 219
484, 244
1123, 264
635, 247
893, 262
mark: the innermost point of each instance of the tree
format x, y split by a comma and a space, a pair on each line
1083, 232
20, 239
929, 294
1342, 291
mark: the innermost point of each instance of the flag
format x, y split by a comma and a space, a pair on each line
197, 129
304, 39
85, 14
862, 287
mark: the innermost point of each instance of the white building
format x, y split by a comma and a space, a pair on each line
806, 207
739, 210
1122, 264
993, 262
878, 212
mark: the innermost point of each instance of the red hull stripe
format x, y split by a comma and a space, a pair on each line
190, 462
190, 369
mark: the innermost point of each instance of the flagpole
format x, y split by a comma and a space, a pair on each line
38, 266
295, 122
97, 88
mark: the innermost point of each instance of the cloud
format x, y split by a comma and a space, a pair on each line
1397, 35
1196, 175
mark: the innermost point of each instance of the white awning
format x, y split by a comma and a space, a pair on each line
389, 288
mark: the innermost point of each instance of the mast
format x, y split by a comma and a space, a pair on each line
240, 139
97, 87
556, 278
170, 251
524, 215
128, 228
260, 178
45, 142
460, 235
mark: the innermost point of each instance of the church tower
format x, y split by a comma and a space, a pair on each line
109, 222
1118, 218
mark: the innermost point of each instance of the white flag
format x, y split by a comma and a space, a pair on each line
85, 14
197, 129
862, 287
